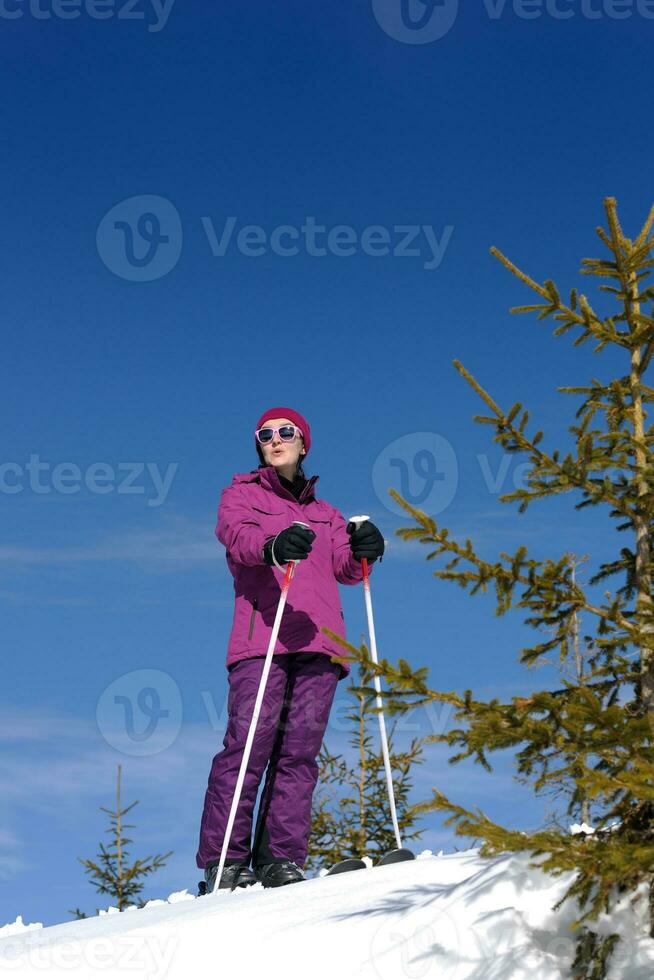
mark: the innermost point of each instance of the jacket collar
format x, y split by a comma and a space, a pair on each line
268, 478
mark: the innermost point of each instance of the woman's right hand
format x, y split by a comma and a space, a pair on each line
291, 544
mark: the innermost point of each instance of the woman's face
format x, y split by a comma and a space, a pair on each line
279, 453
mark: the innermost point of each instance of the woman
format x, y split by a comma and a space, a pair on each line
255, 519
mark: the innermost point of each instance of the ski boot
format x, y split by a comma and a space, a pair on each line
236, 874
280, 873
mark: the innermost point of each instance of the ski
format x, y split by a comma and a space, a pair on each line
349, 864
396, 856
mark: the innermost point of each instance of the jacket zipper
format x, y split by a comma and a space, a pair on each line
254, 612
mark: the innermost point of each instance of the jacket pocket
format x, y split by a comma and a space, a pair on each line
319, 525
271, 518
252, 617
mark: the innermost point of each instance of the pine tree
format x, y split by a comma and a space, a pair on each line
112, 874
592, 736
350, 811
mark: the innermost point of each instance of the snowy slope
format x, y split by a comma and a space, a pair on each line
450, 917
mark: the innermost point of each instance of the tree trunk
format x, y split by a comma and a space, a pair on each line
641, 521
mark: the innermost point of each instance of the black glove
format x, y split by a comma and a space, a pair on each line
366, 540
290, 544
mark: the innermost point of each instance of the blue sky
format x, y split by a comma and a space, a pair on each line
132, 380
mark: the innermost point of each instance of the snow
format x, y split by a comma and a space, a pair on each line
581, 828
441, 917
14, 928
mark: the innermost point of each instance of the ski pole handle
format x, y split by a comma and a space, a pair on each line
290, 568
357, 521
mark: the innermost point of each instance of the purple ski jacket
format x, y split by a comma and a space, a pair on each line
254, 508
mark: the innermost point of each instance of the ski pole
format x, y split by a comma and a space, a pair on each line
290, 568
359, 519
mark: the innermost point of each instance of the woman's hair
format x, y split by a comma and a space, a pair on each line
299, 471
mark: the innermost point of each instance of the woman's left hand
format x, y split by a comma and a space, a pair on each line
366, 540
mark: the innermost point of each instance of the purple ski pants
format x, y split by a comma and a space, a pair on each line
290, 729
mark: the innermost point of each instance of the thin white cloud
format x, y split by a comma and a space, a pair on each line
7, 839
11, 864
80, 763
36, 725
24, 599
179, 541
